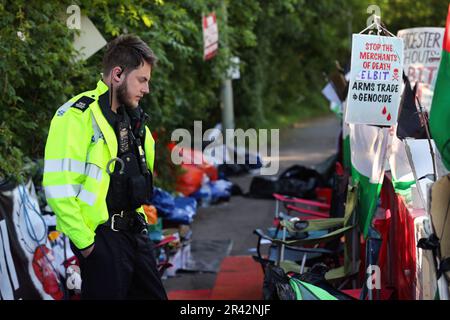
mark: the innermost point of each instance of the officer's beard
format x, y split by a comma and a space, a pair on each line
122, 96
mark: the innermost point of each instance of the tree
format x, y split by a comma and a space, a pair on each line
285, 48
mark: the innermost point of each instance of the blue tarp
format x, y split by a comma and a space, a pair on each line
213, 192
174, 209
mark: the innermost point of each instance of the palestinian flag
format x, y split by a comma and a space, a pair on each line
402, 176
346, 144
368, 147
307, 291
440, 107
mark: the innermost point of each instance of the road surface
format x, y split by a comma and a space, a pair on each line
308, 144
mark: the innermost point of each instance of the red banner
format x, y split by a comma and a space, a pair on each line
210, 36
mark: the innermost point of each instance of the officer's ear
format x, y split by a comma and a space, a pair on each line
117, 74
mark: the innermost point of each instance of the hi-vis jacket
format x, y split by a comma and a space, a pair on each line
79, 146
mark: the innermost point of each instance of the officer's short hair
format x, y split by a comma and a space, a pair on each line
129, 52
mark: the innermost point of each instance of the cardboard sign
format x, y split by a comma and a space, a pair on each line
422, 55
210, 36
421, 162
375, 80
89, 40
440, 211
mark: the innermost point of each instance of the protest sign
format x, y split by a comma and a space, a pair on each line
210, 36
422, 54
375, 80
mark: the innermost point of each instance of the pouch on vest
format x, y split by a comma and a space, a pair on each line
129, 188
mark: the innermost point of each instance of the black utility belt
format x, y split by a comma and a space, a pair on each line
130, 221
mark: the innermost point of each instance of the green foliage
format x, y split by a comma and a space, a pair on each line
402, 14
36, 71
298, 41
285, 48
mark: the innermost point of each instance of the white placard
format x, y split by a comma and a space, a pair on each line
375, 80
210, 36
329, 93
419, 157
422, 55
89, 41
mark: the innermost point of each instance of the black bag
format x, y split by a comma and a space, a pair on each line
303, 173
276, 284
296, 181
263, 187
298, 188
316, 277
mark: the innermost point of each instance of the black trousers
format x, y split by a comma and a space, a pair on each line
121, 266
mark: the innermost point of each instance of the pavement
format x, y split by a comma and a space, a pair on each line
306, 143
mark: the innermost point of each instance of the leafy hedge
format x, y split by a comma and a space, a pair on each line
285, 47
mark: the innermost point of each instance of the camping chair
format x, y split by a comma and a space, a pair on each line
310, 209
163, 246
337, 198
290, 253
345, 227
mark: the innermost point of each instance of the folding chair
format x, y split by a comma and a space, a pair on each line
337, 198
344, 226
311, 209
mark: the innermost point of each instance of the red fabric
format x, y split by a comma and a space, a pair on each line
203, 294
240, 278
324, 194
45, 273
339, 169
171, 145
446, 44
313, 203
190, 181
401, 248
404, 252
210, 171
385, 294
382, 226
155, 135
397, 259
307, 211
195, 158
388, 202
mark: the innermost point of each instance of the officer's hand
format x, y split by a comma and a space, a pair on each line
87, 251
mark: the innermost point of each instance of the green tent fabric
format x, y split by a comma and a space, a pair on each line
440, 107
306, 291
346, 155
368, 146
402, 176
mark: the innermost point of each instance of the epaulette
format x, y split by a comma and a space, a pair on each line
82, 103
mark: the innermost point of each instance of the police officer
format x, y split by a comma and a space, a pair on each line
98, 173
